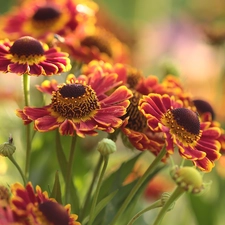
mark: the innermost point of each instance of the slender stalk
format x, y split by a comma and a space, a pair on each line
88, 195
26, 93
138, 184
18, 168
26, 89
94, 202
156, 204
61, 157
175, 195
69, 167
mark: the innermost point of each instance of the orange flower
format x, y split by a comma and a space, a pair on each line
42, 18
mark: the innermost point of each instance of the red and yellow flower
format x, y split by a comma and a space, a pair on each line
81, 105
43, 18
29, 56
95, 43
29, 206
196, 141
207, 114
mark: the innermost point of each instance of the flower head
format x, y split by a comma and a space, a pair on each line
7, 149
196, 140
29, 206
43, 18
29, 56
189, 179
95, 43
136, 130
81, 106
106, 147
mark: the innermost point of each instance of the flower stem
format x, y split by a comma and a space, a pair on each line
175, 195
18, 168
88, 195
26, 89
26, 92
156, 204
95, 198
138, 184
69, 168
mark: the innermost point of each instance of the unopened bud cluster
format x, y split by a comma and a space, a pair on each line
188, 178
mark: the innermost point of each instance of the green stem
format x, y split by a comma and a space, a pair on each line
26, 92
88, 195
69, 168
26, 89
138, 184
153, 206
95, 198
175, 195
18, 168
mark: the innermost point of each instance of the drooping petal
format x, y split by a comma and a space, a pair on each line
46, 123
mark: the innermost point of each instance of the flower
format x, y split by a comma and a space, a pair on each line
207, 114
196, 141
203, 106
43, 18
27, 55
136, 130
98, 65
95, 43
29, 206
81, 105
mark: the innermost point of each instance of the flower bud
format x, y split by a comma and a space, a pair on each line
188, 178
106, 147
7, 148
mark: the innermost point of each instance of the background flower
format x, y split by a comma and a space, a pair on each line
27, 55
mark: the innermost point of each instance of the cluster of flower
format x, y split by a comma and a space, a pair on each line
47, 37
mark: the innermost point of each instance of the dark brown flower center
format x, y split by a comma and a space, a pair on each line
184, 123
204, 107
46, 13
26, 46
137, 120
75, 101
98, 42
68, 91
133, 77
4, 194
187, 119
54, 212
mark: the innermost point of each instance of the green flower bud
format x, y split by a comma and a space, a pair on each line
188, 178
106, 147
7, 148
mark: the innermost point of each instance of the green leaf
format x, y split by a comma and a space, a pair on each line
116, 179
102, 204
114, 182
113, 206
204, 211
56, 191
